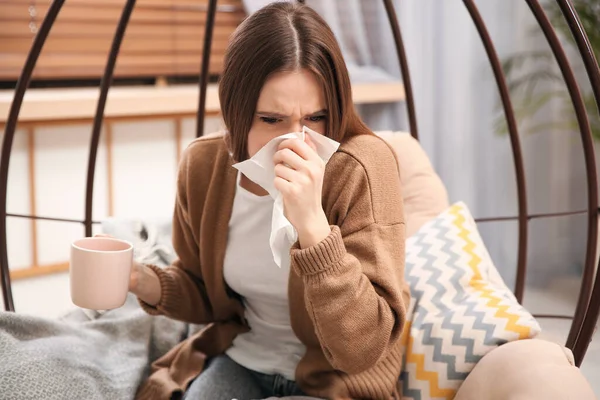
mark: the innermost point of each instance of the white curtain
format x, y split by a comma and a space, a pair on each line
457, 102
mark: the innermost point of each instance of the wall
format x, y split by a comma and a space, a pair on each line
144, 164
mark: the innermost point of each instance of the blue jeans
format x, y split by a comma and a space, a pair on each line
224, 379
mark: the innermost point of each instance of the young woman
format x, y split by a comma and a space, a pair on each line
327, 326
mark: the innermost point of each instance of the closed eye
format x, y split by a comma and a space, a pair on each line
316, 118
270, 120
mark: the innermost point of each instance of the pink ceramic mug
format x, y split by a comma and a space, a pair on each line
99, 271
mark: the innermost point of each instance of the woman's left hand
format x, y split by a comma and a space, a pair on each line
299, 178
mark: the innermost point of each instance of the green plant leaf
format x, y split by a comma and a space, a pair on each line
530, 92
517, 61
589, 15
527, 83
566, 126
535, 103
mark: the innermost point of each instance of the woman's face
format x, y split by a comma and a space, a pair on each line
287, 101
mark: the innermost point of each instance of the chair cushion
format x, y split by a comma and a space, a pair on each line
424, 194
461, 308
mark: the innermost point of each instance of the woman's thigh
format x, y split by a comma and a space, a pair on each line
224, 379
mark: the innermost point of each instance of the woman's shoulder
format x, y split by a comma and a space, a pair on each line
368, 151
201, 158
205, 150
363, 175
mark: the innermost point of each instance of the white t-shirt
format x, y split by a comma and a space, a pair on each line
271, 347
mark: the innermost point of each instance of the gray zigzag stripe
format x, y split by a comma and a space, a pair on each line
413, 280
407, 391
489, 339
453, 258
480, 325
429, 338
438, 356
457, 340
459, 297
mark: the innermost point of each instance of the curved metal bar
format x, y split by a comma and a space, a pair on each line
410, 100
590, 317
588, 326
583, 43
9, 134
590, 166
552, 316
208, 33
515, 144
98, 117
532, 216
35, 217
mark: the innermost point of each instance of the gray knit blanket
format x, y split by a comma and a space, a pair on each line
87, 355
82, 356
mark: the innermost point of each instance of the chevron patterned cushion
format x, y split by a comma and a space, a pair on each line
461, 308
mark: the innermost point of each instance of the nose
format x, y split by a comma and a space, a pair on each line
296, 126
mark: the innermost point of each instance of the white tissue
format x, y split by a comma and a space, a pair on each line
260, 169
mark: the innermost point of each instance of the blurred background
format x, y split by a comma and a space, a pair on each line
150, 119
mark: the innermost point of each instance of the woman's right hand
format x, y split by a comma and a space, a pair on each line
143, 282
135, 276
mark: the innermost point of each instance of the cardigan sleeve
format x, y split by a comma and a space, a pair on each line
354, 279
184, 295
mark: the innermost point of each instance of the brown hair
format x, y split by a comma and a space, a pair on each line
283, 36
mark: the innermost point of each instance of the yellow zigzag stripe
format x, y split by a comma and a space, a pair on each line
422, 374
405, 335
479, 284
